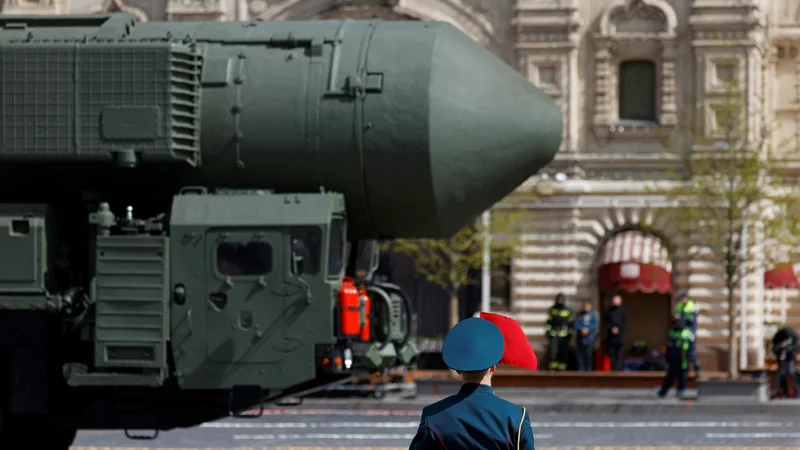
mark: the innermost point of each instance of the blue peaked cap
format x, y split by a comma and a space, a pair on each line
473, 344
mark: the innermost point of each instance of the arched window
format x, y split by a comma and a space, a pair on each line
637, 91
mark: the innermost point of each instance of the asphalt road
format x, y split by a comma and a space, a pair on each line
319, 429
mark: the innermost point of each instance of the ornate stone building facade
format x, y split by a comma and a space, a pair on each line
621, 70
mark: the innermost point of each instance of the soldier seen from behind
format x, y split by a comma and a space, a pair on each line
474, 417
586, 324
679, 340
686, 311
784, 347
616, 321
557, 328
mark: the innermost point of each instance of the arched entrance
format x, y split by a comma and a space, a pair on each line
637, 266
355, 9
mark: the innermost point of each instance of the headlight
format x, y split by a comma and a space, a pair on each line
347, 356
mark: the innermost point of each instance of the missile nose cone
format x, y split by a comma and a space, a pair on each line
466, 132
490, 129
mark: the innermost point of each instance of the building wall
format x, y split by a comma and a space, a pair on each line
573, 50
693, 44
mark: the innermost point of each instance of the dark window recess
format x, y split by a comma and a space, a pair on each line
336, 249
240, 258
366, 255
501, 284
20, 227
306, 248
637, 91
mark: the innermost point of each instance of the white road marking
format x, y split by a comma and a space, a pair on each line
310, 425
534, 425
752, 435
682, 424
345, 436
336, 412
349, 436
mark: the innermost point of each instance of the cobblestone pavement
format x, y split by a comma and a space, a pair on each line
324, 429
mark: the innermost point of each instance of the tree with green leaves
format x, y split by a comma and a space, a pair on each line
732, 195
450, 263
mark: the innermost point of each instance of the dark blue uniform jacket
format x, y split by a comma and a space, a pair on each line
586, 320
474, 418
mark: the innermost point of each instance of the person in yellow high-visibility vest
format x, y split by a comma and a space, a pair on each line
677, 355
558, 330
686, 313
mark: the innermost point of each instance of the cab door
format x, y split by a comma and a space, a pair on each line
243, 316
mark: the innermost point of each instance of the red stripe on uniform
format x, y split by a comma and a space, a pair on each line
437, 435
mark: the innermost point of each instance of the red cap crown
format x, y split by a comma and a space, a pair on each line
518, 351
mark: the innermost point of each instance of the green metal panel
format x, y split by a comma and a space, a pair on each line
244, 312
270, 320
24, 257
99, 101
130, 294
359, 107
254, 209
79, 27
480, 120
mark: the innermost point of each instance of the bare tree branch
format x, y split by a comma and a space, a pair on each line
734, 188
448, 263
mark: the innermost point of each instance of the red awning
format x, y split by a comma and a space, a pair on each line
633, 261
782, 276
633, 277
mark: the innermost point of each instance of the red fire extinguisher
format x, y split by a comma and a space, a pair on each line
354, 307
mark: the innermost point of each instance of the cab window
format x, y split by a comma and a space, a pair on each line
244, 258
366, 256
336, 249
306, 248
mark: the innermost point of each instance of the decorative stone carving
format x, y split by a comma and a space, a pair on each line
257, 7
110, 6
721, 68
548, 72
33, 6
729, 42
374, 3
787, 12
28, 3
196, 4
547, 42
543, 23
602, 80
787, 51
362, 9
195, 10
635, 29
638, 18
468, 19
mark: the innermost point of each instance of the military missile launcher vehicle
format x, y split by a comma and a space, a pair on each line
190, 209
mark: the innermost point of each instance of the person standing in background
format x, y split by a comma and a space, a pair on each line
686, 312
559, 321
784, 347
586, 324
616, 322
677, 356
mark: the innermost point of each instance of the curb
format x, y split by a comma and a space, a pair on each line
665, 406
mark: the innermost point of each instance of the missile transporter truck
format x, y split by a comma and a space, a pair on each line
190, 210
